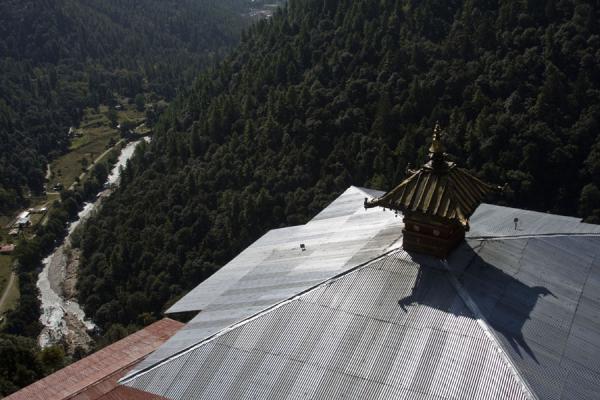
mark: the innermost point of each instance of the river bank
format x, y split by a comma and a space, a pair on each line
63, 319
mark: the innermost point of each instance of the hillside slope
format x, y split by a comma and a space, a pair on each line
58, 57
331, 93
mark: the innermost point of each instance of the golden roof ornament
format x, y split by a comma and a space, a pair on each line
436, 144
439, 197
439, 188
436, 150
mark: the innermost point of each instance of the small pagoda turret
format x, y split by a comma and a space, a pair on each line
436, 201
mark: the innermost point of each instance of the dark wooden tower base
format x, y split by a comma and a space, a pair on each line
429, 237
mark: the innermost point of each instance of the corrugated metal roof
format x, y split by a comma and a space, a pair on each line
392, 329
541, 295
96, 375
341, 236
109, 389
496, 221
449, 193
536, 290
121, 392
274, 267
371, 192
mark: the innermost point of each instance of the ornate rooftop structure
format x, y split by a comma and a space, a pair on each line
437, 201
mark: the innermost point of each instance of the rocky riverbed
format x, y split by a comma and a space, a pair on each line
63, 319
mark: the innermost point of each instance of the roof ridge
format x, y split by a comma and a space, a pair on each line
364, 190
488, 332
515, 208
328, 281
533, 236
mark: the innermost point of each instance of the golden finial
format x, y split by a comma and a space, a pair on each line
436, 144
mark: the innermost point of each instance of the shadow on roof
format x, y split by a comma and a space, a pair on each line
505, 318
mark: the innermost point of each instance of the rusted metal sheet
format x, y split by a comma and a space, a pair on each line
96, 375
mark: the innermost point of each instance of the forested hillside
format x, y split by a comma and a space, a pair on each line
58, 57
332, 93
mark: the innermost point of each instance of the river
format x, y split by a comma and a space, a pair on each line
63, 319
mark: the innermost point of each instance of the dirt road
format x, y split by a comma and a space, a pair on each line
89, 168
7, 289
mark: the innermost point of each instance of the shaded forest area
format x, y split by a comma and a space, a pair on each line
56, 59
332, 93
59, 57
23, 362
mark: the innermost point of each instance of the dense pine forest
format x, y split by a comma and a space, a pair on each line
323, 95
59, 57
56, 59
332, 93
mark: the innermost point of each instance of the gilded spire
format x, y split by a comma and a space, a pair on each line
436, 150
436, 144
436, 201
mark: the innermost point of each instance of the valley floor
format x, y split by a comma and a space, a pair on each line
91, 143
9, 285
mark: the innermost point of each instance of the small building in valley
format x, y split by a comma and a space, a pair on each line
23, 220
7, 248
